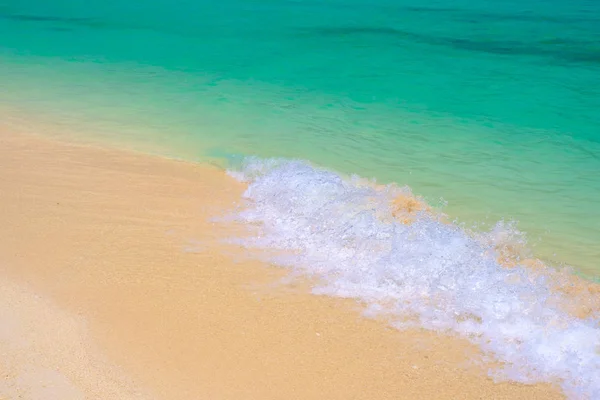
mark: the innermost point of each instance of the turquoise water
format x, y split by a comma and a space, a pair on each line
490, 110
489, 107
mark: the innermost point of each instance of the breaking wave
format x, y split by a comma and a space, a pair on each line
387, 248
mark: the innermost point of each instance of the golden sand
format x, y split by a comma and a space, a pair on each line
115, 285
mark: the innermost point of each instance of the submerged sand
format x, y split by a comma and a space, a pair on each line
116, 285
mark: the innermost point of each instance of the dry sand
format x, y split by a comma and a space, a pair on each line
114, 284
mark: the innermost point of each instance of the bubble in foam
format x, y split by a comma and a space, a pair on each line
386, 248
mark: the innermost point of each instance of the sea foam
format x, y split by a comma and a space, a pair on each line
420, 270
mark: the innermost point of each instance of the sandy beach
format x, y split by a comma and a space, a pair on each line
115, 284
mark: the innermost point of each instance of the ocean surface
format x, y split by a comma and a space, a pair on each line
489, 110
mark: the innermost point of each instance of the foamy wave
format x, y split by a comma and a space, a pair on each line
404, 261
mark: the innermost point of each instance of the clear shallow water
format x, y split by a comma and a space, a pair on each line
492, 107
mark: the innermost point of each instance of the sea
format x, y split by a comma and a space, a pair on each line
485, 112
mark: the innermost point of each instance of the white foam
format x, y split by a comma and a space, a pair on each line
428, 273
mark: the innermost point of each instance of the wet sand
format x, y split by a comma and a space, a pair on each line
115, 284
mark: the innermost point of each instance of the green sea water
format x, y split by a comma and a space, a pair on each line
491, 109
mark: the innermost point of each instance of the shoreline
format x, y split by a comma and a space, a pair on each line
121, 242
130, 138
